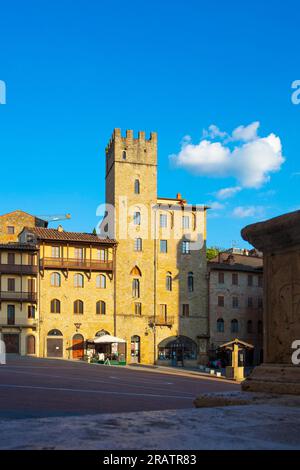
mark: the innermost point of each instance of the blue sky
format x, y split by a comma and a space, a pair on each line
74, 70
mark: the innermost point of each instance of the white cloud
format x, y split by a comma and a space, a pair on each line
216, 206
250, 211
227, 193
246, 133
250, 163
213, 132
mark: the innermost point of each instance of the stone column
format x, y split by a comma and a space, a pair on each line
279, 240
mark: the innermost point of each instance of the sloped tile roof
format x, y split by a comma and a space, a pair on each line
54, 234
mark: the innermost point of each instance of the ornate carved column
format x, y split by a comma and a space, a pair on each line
279, 240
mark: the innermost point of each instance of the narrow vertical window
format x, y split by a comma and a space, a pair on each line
137, 218
138, 244
136, 288
191, 282
137, 187
169, 282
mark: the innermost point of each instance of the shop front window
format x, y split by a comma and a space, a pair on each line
175, 347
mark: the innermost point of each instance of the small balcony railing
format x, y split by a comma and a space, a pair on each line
76, 264
27, 269
161, 320
18, 296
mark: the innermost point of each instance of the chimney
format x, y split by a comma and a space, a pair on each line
60, 228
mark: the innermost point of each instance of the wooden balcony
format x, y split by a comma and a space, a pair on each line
76, 264
18, 296
161, 320
26, 269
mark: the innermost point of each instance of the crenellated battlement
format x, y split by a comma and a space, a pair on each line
127, 141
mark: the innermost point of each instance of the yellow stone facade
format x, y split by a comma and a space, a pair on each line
154, 263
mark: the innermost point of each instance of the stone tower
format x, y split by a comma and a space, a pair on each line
131, 187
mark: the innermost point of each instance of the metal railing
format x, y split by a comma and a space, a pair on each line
161, 320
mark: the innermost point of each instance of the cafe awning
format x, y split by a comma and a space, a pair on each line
107, 339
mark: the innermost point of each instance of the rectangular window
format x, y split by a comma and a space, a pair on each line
78, 253
163, 246
11, 285
260, 302
138, 244
260, 281
31, 260
136, 288
235, 302
185, 221
137, 218
102, 254
10, 314
235, 279
250, 302
31, 311
250, 280
185, 310
10, 230
221, 301
55, 252
186, 248
163, 311
138, 308
221, 278
11, 258
163, 220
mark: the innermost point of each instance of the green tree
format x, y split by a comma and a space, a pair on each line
212, 252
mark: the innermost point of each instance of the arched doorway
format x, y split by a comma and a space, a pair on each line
135, 349
30, 345
177, 348
78, 347
55, 344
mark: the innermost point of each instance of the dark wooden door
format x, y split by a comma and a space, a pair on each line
78, 347
54, 347
11, 343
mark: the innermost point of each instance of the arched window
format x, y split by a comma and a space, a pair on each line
191, 282
30, 344
260, 327
137, 187
136, 271
180, 347
78, 280
169, 282
55, 280
100, 307
78, 307
102, 333
234, 326
124, 155
55, 306
249, 327
101, 281
220, 325
54, 333
136, 288
138, 244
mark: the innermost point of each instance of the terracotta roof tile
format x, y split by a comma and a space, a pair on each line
54, 234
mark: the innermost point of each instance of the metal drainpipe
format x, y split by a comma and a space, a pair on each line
155, 280
115, 290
